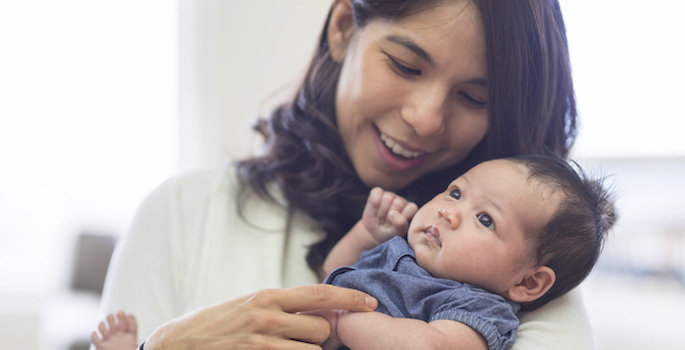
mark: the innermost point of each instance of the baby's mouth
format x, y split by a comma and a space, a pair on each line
433, 235
396, 149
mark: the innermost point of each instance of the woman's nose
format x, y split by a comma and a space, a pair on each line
452, 217
424, 111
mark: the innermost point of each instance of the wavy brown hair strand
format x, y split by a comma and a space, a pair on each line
531, 100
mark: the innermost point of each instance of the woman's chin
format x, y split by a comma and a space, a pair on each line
387, 180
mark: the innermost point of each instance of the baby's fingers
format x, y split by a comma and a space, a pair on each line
132, 323
123, 321
399, 204
409, 210
399, 222
373, 202
103, 330
375, 197
386, 204
95, 339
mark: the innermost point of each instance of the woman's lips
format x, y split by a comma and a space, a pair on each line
394, 161
397, 148
432, 233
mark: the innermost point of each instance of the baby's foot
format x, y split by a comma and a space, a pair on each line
121, 334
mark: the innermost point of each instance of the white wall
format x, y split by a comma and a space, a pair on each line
627, 58
237, 59
87, 127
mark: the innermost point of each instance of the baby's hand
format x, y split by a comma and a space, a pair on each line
387, 215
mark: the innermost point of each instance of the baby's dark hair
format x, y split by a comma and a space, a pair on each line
572, 240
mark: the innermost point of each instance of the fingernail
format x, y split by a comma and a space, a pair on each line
372, 302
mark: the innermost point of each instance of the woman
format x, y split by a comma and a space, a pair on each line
404, 95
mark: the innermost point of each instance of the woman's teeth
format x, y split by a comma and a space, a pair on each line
396, 148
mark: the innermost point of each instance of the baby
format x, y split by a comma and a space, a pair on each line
509, 234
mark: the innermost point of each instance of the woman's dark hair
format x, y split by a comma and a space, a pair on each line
531, 109
570, 243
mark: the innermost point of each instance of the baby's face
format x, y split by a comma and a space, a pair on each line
474, 232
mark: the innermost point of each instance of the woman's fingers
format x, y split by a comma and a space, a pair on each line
312, 329
284, 344
266, 319
316, 297
275, 311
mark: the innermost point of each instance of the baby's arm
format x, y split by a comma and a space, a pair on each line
374, 330
385, 216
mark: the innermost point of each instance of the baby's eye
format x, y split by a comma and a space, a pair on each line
455, 193
486, 220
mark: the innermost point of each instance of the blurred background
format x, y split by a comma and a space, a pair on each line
100, 101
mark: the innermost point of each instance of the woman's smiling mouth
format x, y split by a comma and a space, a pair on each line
396, 148
398, 157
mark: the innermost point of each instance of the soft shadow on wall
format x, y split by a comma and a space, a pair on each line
67, 317
88, 118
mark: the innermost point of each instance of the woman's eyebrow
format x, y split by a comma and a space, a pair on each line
411, 45
478, 81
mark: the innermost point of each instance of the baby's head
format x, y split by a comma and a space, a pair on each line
529, 228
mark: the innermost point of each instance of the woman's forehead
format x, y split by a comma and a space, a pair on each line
443, 16
450, 35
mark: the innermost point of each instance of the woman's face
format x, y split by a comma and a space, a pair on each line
412, 94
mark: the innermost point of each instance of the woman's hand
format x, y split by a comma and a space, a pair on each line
332, 316
267, 319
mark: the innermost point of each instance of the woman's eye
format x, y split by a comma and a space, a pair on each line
486, 221
404, 69
455, 193
472, 101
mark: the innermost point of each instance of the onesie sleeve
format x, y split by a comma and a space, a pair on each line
487, 313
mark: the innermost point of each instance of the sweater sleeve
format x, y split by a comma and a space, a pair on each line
141, 275
189, 247
561, 324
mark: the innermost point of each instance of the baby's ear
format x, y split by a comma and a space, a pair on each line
533, 286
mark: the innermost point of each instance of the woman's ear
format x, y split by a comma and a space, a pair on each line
533, 286
340, 28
